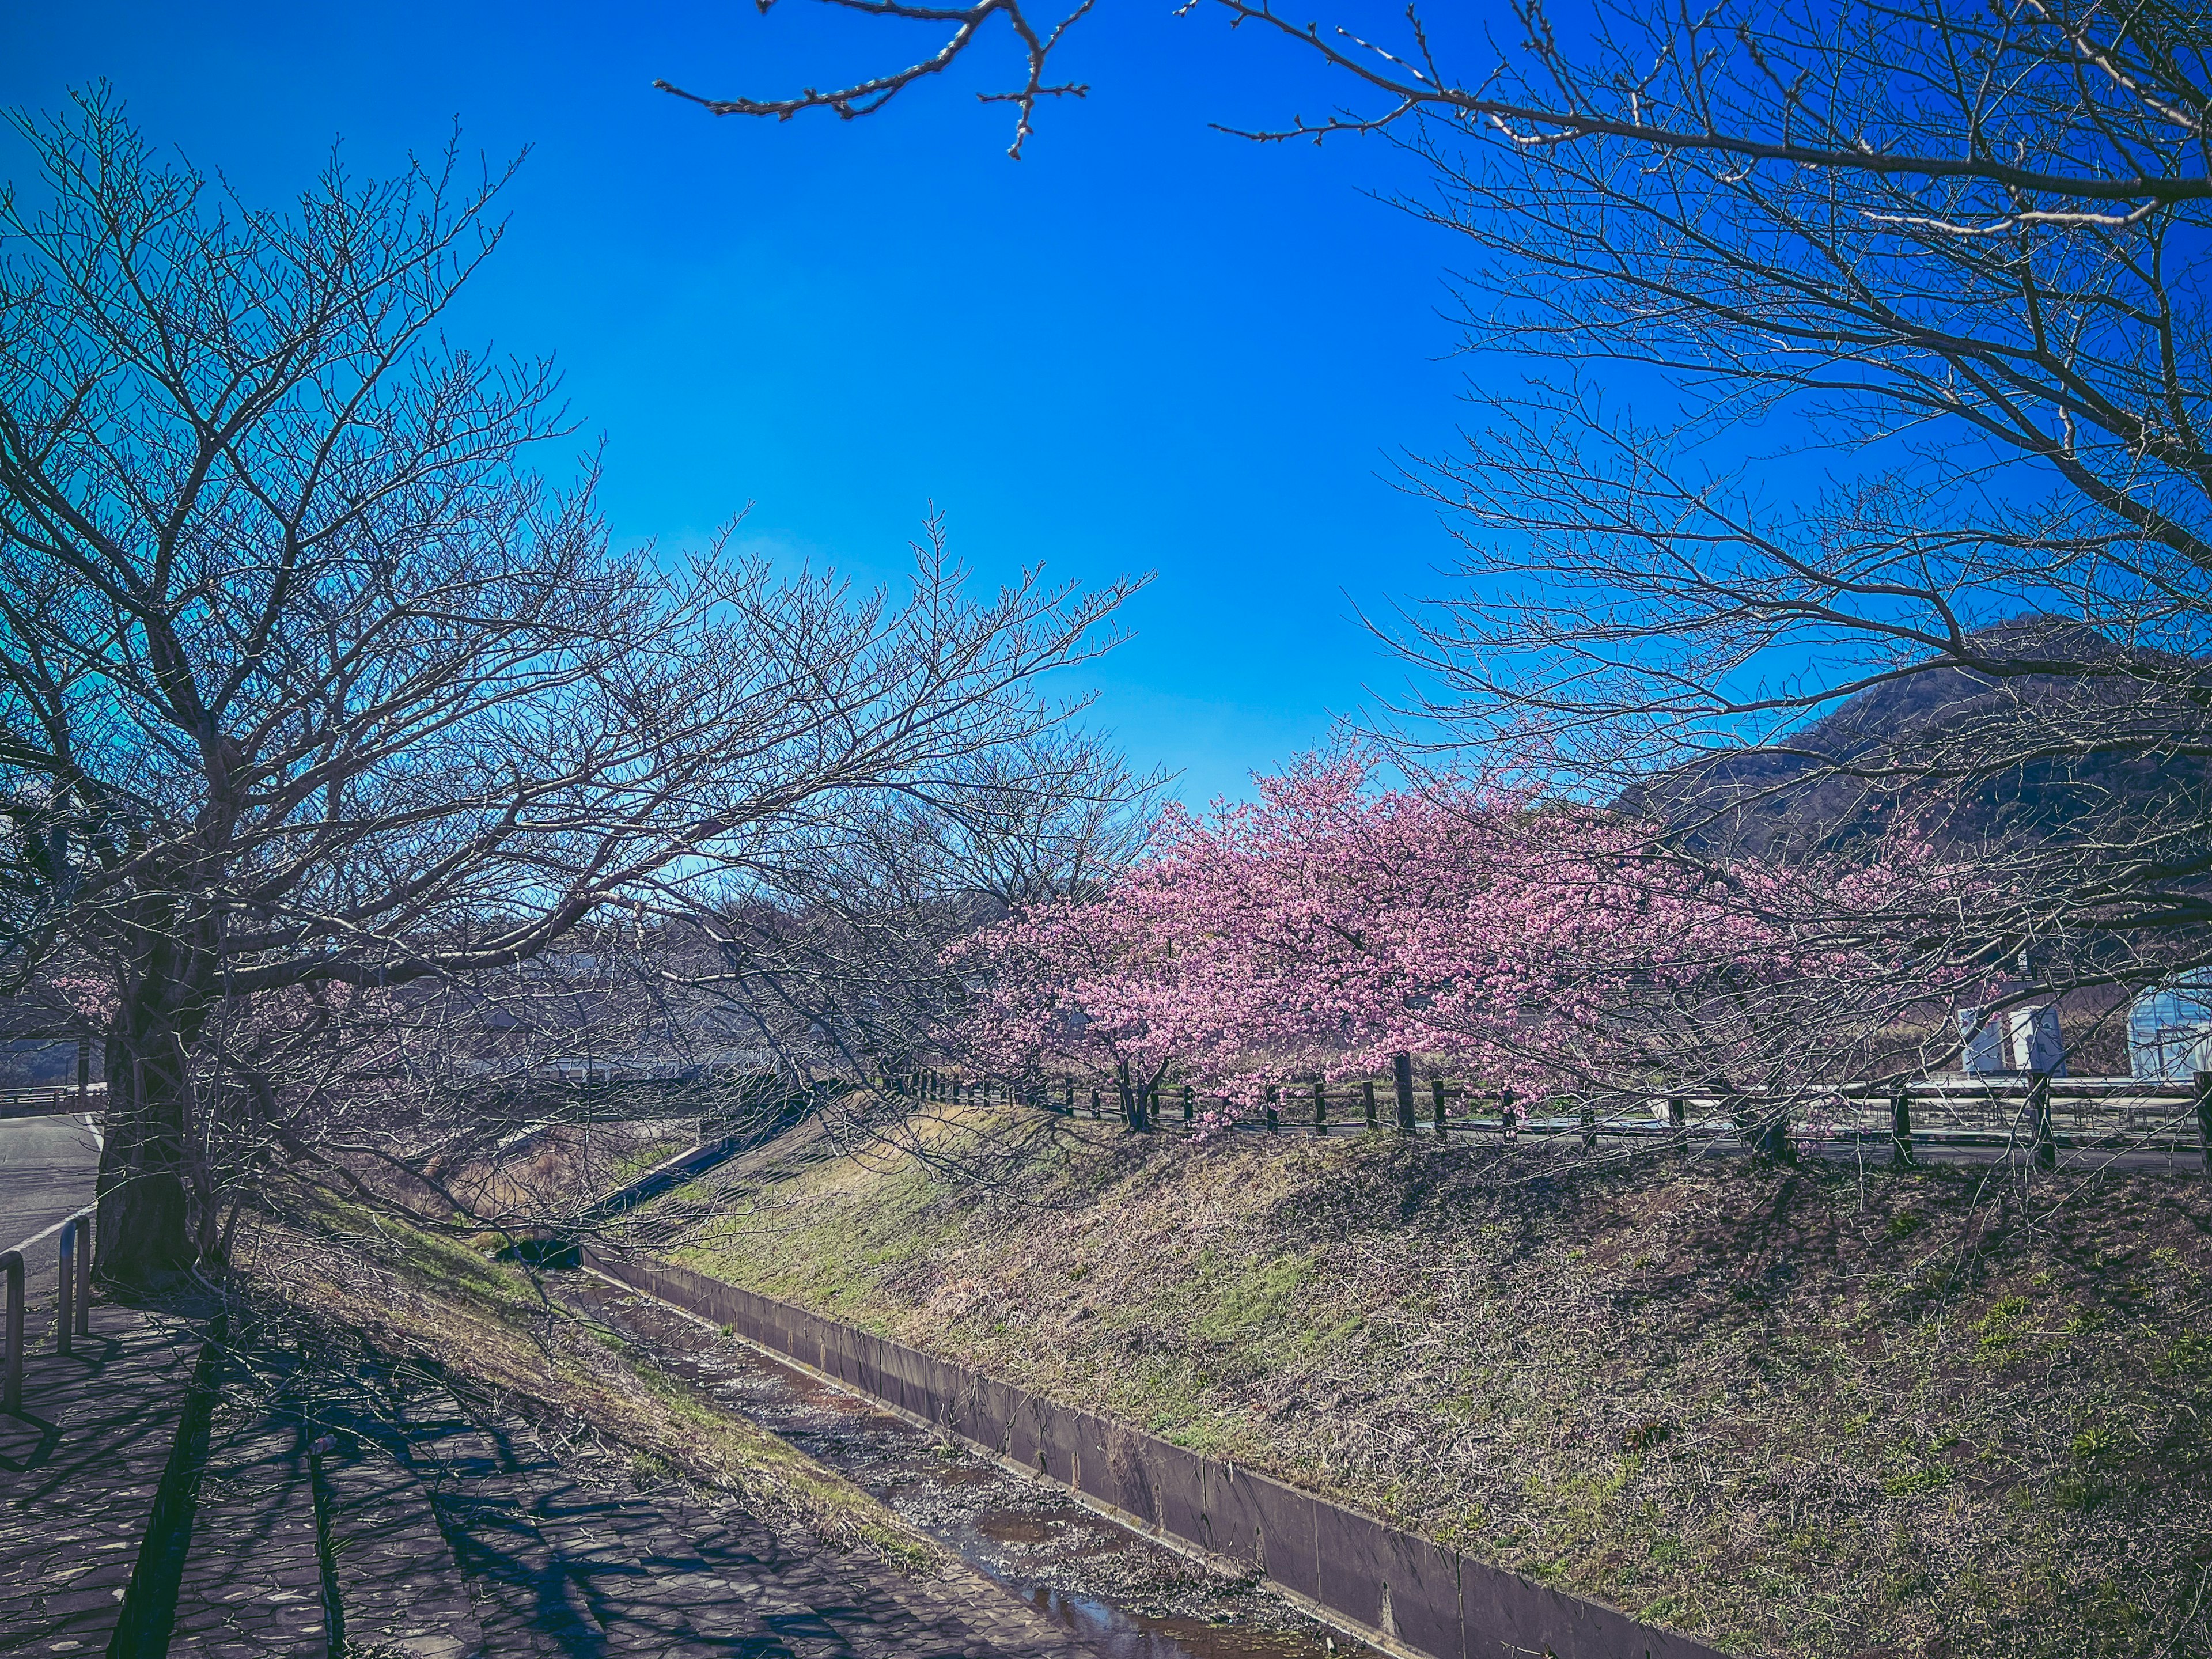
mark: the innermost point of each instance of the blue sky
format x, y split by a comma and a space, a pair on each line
1147, 346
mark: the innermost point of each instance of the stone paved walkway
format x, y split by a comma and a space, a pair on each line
565, 1554
442, 1526
251, 1580
78, 1473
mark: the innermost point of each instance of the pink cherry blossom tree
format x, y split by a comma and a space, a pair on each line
1545, 945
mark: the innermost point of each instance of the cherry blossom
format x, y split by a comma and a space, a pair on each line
1535, 943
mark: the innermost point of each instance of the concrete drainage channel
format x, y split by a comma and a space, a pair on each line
1122, 1593
1407, 1594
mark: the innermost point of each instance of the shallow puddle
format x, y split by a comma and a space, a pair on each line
1115, 1633
1123, 1594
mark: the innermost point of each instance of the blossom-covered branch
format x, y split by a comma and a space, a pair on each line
1542, 944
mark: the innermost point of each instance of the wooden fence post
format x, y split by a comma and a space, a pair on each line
1772, 1137
1071, 1093
1437, 1098
1274, 1120
1367, 1094
1589, 1127
1321, 1104
1401, 1075
1678, 1122
1508, 1128
1189, 1102
2204, 1117
2038, 1112
1097, 1108
1900, 1126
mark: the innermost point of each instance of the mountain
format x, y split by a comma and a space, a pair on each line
2057, 732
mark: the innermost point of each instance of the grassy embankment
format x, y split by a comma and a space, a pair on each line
406, 1289
1818, 1413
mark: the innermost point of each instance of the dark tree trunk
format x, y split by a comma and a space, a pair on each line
144, 1221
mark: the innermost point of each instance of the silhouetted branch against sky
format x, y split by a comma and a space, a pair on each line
325, 700
965, 24
1727, 81
1910, 297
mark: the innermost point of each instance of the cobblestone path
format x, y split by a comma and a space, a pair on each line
250, 1575
410, 1520
560, 1551
78, 1473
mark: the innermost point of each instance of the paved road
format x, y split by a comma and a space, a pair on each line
46, 1170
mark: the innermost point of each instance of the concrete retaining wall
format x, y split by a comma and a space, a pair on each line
1411, 1593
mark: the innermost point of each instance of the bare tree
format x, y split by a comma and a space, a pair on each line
1914, 509
836, 960
321, 693
808, 980
1860, 474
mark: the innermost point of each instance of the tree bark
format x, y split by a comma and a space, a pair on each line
145, 1217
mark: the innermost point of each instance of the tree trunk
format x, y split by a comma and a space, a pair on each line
144, 1216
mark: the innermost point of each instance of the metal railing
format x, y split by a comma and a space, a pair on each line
54, 1097
75, 1311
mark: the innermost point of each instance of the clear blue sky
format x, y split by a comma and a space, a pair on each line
1146, 346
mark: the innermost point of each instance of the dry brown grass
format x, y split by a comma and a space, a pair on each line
403, 1291
1810, 1413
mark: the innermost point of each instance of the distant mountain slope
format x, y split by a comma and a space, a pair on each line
2122, 744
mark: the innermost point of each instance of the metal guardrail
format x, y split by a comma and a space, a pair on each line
11, 1354
75, 1310
57, 1098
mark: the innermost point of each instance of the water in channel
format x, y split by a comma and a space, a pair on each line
1120, 1593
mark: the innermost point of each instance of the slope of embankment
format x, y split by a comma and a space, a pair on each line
1822, 1412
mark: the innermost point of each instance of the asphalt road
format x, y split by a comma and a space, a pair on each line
46, 1170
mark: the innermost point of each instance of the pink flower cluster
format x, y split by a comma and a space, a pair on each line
1529, 941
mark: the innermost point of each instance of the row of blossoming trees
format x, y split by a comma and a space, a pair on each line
1542, 945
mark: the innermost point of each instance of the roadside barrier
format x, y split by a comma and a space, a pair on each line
1405, 1594
2034, 1112
75, 1312
54, 1100
11, 1364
